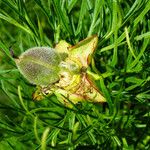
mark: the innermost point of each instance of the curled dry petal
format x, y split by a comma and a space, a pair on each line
83, 90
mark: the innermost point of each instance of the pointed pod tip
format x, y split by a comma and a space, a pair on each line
62, 47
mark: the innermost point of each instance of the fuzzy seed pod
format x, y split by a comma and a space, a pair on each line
39, 65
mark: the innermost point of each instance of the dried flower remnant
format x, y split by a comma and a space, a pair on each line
62, 71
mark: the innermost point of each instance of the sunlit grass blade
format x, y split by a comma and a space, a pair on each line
144, 35
6, 17
98, 6
144, 46
83, 11
63, 17
128, 42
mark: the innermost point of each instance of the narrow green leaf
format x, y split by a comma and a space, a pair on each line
106, 94
142, 14
62, 16
9, 19
7, 71
98, 6
144, 46
48, 13
144, 35
44, 137
119, 40
128, 42
82, 13
71, 4
4, 48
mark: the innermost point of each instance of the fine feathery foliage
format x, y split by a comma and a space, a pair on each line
121, 66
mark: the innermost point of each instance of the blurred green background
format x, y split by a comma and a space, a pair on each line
122, 61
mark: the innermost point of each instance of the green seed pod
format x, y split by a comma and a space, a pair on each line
40, 65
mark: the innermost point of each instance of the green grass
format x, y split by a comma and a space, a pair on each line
121, 62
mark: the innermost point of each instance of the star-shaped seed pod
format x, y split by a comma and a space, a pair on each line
80, 86
62, 71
